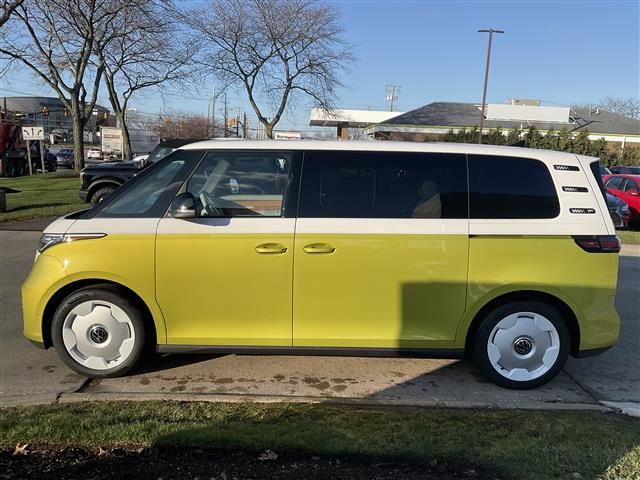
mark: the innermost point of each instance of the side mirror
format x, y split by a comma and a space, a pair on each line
183, 206
633, 192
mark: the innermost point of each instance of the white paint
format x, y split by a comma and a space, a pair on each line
237, 225
383, 226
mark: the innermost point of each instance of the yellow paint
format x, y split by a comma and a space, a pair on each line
218, 290
395, 291
585, 281
124, 259
399, 291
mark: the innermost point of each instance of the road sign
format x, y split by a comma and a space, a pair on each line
32, 133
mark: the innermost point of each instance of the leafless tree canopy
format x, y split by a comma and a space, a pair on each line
274, 49
147, 50
55, 40
8, 7
629, 107
182, 125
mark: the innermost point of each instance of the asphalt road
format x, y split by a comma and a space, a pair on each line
29, 375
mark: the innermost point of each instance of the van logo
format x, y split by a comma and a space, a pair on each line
575, 189
582, 210
570, 168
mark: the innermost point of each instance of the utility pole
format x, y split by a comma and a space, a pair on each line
226, 116
490, 31
392, 95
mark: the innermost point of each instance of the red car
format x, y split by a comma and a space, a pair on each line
627, 188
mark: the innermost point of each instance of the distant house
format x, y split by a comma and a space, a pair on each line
432, 121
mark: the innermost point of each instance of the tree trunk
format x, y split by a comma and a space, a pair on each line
126, 139
268, 130
78, 138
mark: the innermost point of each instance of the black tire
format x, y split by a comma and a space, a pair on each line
100, 194
10, 168
105, 293
481, 341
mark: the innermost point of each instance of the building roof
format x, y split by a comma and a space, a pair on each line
456, 114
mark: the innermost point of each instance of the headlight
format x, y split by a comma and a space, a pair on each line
50, 239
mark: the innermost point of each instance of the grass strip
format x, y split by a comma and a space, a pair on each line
51, 194
520, 444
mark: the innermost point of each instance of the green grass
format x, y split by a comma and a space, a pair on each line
629, 237
517, 444
51, 194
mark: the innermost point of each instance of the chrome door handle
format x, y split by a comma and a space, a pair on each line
314, 248
271, 248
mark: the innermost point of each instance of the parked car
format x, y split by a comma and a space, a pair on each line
65, 157
626, 170
400, 249
604, 171
627, 189
98, 181
94, 154
619, 211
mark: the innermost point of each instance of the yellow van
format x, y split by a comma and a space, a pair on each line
505, 255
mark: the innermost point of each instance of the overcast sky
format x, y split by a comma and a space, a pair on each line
562, 52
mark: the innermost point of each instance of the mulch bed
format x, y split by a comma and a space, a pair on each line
164, 463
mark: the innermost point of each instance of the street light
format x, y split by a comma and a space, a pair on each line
490, 31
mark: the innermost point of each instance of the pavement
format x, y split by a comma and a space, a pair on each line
29, 375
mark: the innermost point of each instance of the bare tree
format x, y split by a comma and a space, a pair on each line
8, 7
55, 40
146, 51
182, 125
275, 50
629, 107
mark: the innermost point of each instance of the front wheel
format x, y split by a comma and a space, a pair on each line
98, 332
522, 344
101, 194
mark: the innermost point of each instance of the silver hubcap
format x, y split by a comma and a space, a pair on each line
523, 346
98, 335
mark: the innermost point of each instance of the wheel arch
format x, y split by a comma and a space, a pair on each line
65, 291
527, 295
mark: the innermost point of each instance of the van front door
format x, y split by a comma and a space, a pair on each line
224, 278
381, 250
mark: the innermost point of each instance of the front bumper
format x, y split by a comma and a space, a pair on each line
84, 194
46, 277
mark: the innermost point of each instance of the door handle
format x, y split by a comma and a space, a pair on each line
314, 248
271, 248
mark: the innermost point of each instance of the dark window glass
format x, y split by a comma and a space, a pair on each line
596, 169
630, 185
614, 182
148, 195
343, 184
510, 187
241, 184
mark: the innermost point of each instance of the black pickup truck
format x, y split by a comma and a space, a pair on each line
98, 181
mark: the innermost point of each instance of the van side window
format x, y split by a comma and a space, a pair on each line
240, 184
346, 184
510, 187
148, 194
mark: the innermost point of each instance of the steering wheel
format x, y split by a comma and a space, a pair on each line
208, 205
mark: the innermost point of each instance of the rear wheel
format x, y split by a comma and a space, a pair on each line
522, 344
98, 332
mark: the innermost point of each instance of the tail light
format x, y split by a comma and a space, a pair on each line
598, 243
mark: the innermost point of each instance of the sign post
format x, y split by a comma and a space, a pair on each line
33, 133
